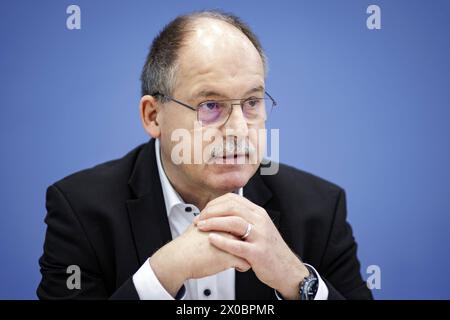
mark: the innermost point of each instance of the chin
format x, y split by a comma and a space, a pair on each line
227, 178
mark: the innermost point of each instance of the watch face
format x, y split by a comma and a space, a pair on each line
309, 286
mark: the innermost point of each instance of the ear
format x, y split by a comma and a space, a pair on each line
150, 115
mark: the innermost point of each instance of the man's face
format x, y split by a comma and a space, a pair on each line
218, 62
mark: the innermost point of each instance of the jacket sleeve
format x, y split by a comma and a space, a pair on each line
67, 245
340, 267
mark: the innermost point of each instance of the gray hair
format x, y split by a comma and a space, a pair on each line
158, 74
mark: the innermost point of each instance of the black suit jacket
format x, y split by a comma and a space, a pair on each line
109, 219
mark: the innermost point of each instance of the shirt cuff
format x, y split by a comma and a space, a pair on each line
322, 289
148, 286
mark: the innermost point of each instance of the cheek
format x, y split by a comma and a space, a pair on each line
180, 137
258, 139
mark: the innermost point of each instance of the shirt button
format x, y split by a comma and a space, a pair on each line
207, 292
188, 209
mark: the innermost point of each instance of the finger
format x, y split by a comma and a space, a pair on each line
237, 248
229, 197
232, 197
225, 197
230, 208
231, 224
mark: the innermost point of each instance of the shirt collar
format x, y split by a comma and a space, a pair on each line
171, 197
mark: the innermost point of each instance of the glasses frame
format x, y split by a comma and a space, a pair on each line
241, 103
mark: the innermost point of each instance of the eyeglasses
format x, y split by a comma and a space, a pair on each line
217, 112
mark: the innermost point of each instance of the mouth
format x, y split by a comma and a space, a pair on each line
232, 159
235, 156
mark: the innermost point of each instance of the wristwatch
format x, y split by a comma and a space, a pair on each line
308, 287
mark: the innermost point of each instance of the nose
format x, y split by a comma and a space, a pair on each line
236, 124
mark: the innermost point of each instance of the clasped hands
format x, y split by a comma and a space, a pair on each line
255, 240
230, 232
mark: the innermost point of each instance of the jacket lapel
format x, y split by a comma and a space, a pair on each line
147, 212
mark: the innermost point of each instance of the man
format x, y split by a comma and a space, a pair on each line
158, 224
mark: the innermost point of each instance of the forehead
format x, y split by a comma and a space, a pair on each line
218, 55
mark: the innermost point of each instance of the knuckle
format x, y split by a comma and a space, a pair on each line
262, 213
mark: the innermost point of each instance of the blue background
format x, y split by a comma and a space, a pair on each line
366, 109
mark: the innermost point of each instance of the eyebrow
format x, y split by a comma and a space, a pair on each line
212, 93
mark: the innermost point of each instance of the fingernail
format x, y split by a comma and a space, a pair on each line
201, 223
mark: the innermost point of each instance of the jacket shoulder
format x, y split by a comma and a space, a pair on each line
291, 182
108, 177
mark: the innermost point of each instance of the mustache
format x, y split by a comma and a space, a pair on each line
231, 148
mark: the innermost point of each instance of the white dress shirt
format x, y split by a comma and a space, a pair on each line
180, 216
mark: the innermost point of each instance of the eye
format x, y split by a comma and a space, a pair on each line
210, 105
252, 102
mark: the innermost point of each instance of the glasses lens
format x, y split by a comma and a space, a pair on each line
216, 112
211, 112
257, 109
